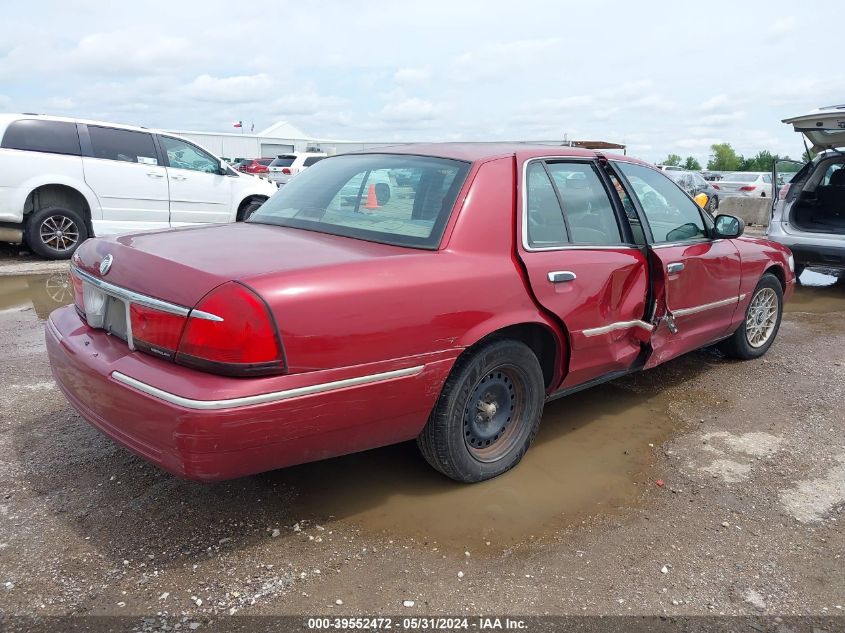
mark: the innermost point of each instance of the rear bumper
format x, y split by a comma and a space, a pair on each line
810, 251
221, 428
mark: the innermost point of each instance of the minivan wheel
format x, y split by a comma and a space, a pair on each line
55, 232
757, 332
248, 209
488, 413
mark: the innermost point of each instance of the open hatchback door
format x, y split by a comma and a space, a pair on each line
824, 128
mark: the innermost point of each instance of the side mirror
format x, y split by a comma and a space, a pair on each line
728, 226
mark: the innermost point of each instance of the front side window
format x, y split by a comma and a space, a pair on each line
671, 215
546, 227
183, 155
586, 205
34, 135
363, 196
123, 145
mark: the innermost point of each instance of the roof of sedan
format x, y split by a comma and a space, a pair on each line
482, 151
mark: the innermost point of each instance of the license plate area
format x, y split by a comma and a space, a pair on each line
106, 312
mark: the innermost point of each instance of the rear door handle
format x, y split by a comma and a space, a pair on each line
178, 177
154, 174
560, 276
675, 267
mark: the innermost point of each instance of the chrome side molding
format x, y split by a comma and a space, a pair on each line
263, 398
621, 325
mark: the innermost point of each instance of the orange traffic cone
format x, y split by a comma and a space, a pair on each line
372, 200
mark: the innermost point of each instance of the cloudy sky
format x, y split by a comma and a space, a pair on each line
659, 76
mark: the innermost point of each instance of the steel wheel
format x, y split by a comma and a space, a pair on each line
761, 318
495, 402
59, 233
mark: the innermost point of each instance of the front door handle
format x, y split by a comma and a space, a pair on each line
560, 276
675, 267
154, 174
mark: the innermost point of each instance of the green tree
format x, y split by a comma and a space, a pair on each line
724, 158
672, 160
692, 164
762, 161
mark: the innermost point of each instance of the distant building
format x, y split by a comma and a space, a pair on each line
284, 137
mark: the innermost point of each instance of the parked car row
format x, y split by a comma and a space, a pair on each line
64, 180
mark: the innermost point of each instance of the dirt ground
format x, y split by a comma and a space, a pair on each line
748, 519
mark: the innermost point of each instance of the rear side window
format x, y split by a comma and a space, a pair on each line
671, 215
123, 145
545, 225
586, 205
360, 196
311, 160
283, 161
57, 137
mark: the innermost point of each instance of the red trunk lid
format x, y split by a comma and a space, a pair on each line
182, 265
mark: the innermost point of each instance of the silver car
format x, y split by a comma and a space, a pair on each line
808, 214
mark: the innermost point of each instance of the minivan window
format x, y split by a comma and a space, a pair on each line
359, 196
311, 160
183, 155
123, 145
671, 215
34, 135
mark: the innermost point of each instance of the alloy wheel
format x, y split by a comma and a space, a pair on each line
761, 317
59, 233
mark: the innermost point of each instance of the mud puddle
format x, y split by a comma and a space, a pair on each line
40, 293
820, 291
592, 455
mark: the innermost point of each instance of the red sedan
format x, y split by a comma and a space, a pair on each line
493, 279
255, 166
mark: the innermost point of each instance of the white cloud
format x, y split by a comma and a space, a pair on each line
780, 27
714, 103
496, 60
721, 119
60, 103
408, 76
305, 103
237, 89
4, 101
411, 109
137, 50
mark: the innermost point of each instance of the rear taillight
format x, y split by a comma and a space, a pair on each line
156, 331
286, 170
784, 189
231, 331
747, 188
78, 293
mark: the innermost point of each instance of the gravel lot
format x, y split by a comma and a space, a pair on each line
748, 519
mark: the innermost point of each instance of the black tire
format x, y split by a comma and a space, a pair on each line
55, 232
249, 208
458, 439
739, 345
712, 205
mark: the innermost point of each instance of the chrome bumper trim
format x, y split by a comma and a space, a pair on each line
262, 398
621, 325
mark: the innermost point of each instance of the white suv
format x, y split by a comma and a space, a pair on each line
64, 180
286, 166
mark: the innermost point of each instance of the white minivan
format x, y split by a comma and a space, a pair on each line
64, 180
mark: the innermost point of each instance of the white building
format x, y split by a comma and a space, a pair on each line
279, 138
284, 137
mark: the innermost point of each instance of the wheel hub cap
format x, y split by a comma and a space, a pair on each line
762, 317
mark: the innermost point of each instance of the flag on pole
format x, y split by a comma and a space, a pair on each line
238, 124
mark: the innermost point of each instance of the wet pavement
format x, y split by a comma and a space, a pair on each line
579, 526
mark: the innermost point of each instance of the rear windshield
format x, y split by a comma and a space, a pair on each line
283, 161
740, 177
263, 161
392, 199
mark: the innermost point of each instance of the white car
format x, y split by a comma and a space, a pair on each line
746, 183
286, 166
808, 214
65, 180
